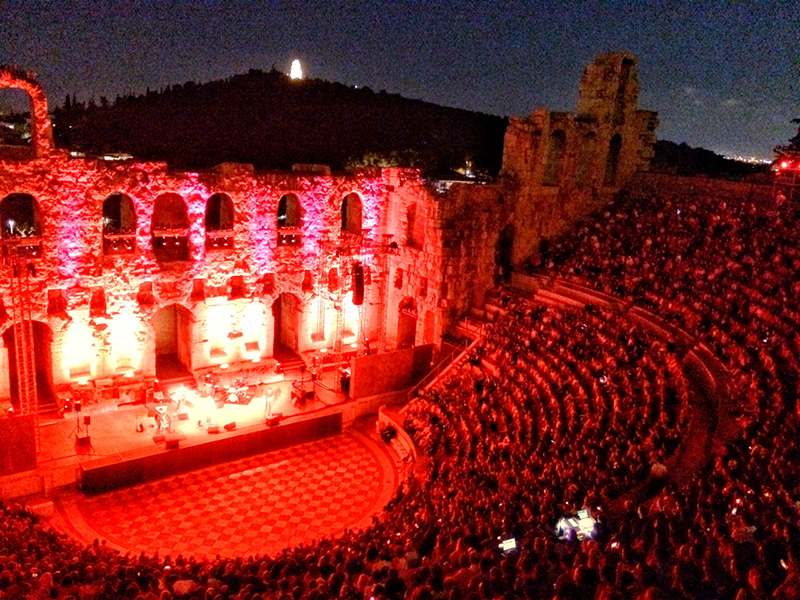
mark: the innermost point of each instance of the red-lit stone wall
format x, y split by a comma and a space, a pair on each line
70, 193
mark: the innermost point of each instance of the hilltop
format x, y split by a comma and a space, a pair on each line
271, 121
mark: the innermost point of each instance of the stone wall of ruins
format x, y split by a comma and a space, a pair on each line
557, 168
228, 292
429, 254
567, 164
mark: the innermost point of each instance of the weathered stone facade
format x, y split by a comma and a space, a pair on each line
114, 244
133, 260
557, 168
564, 165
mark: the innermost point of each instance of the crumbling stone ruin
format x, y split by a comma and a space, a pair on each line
118, 264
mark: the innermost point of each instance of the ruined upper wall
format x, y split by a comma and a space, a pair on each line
565, 165
41, 129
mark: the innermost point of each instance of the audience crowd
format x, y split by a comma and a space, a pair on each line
555, 409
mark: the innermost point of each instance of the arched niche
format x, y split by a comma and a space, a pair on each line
219, 221
286, 311
125, 343
170, 228
172, 326
42, 337
290, 220
556, 150
119, 225
351, 214
254, 330
612, 162
21, 223
78, 354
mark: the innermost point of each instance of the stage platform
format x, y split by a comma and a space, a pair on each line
189, 452
118, 455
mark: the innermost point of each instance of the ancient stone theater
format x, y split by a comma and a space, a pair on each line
123, 279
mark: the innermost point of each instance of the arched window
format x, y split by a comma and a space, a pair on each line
351, 214
219, 222
170, 228
555, 159
289, 221
583, 171
20, 220
612, 162
219, 213
415, 227
119, 225
35, 123
16, 131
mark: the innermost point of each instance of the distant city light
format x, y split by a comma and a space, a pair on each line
753, 160
297, 70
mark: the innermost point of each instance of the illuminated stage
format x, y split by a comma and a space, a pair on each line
118, 455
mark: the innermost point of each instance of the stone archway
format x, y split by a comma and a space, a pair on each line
41, 128
43, 362
286, 314
173, 337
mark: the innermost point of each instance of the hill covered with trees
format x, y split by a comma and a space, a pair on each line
271, 121
682, 159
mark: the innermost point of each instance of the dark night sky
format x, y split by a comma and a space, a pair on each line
722, 75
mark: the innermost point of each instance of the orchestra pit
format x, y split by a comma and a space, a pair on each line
254, 386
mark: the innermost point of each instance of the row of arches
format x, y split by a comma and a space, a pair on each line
174, 330
20, 217
556, 154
